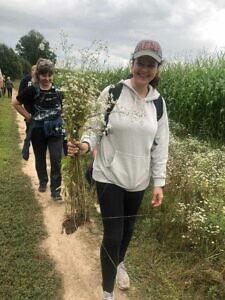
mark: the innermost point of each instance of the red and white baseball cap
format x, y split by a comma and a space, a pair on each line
150, 48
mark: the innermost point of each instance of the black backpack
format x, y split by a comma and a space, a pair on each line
115, 92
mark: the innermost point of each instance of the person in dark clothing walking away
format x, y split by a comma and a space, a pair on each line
27, 80
45, 125
9, 86
133, 149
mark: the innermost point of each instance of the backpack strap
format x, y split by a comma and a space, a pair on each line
58, 92
159, 107
159, 110
114, 94
37, 90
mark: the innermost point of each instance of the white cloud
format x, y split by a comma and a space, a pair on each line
182, 27
213, 31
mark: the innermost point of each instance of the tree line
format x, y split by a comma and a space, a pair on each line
30, 47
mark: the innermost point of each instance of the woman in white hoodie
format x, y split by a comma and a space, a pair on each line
134, 149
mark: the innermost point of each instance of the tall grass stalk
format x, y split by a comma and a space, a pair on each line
80, 86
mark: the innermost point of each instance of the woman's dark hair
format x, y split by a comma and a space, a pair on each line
44, 66
154, 82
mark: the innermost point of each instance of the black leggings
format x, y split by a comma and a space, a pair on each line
40, 144
9, 90
117, 205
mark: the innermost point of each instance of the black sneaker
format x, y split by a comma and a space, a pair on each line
56, 196
42, 187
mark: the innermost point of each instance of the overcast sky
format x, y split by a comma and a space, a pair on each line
184, 28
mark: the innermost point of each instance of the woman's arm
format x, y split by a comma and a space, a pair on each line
21, 110
159, 150
159, 157
24, 97
157, 196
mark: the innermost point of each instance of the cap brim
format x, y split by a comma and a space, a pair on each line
148, 53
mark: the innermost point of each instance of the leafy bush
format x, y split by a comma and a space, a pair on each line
32, 46
26, 66
195, 215
10, 62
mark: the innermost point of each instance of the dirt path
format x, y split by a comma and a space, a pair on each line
75, 259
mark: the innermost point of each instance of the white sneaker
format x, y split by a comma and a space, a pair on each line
122, 278
107, 296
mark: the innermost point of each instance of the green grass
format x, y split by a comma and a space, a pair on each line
161, 269
26, 271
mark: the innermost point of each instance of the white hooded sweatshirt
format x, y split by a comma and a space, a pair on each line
136, 146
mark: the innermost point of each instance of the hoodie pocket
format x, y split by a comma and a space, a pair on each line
129, 171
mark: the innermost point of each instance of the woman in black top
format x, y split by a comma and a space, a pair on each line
41, 106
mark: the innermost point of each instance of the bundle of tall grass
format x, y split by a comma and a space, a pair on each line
195, 95
79, 104
80, 86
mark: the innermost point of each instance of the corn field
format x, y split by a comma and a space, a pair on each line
195, 95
